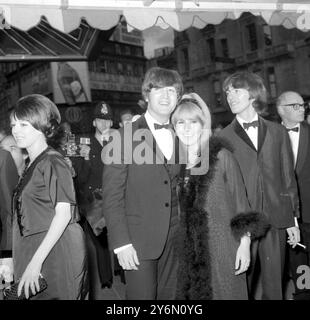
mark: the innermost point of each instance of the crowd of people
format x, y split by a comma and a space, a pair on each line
179, 210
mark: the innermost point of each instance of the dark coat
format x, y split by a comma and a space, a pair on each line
137, 198
8, 181
211, 205
268, 172
302, 171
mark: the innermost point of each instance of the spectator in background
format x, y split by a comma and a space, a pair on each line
19, 155
8, 181
126, 117
89, 184
291, 108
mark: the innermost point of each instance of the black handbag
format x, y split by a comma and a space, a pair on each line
10, 293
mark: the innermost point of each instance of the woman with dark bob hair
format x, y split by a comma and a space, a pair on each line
47, 240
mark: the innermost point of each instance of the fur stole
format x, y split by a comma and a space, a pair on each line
194, 273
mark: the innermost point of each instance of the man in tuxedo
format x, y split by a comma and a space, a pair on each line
8, 181
262, 149
291, 109
139, 197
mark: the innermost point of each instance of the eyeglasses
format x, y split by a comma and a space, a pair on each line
297, 106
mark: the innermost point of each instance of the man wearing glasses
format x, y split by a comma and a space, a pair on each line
291, 108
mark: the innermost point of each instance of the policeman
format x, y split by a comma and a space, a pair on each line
89, 180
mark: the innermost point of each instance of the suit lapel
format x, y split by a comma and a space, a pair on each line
242, 134
262, 129
302, 146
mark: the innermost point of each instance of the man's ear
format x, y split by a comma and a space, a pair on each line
280, 110
94, 123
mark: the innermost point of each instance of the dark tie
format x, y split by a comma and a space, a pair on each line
247, 125
296, 129
162, 126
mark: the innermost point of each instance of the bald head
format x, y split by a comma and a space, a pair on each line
290, 106
288, 97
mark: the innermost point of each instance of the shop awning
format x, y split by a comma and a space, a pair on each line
44, 43
66, 15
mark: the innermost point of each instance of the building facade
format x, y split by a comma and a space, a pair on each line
207, 56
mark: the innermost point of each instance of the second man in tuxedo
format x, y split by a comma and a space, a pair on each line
262, 149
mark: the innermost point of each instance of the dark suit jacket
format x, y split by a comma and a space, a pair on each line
302, 171
268, 172
137, 197
8, 180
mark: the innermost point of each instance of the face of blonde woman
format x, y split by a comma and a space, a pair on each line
188, 129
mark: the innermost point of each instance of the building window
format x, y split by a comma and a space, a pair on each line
217, 93
129, 69
112, 67
185, 60
225, 50
103, 66
117, 48
252, 36
272, 82
267, 35
120, 68
211, 46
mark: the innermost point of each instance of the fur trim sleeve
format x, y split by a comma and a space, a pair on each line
254, 222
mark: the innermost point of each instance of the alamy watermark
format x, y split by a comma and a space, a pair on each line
303, 281
139, 148
5, 17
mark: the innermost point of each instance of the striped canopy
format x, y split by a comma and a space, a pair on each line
66, 15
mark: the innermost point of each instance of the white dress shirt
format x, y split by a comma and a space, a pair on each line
163, 136
294, 137
251, 132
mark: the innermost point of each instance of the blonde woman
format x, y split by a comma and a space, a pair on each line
216, 223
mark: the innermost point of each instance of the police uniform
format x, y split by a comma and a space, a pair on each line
89, 181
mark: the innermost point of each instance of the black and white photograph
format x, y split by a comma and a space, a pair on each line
155, 154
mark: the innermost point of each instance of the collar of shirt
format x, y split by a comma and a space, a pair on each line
242, 121
297, 126
294, 138
251, 132
163, 137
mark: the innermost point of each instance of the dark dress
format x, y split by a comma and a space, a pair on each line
46, 182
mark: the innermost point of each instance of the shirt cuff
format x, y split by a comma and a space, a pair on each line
296, 222
117, 250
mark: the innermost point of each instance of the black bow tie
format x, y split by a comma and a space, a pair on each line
162, 126
247, 125
296, 129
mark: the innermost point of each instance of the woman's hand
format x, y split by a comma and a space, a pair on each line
243, 256
30, 279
